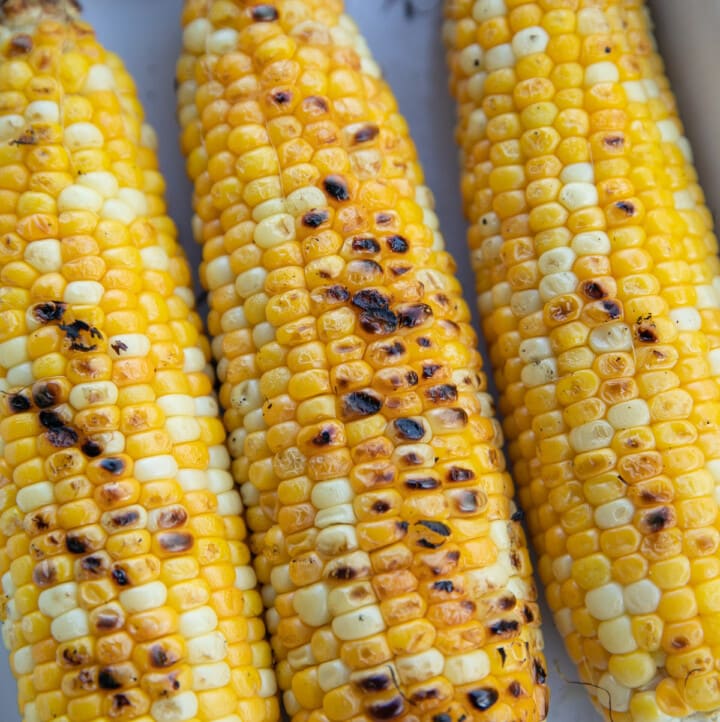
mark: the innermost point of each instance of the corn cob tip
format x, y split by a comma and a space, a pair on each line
27, 11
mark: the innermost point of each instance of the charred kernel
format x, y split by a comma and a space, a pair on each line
19, 403
430, 369
315, 103
315, 218
424, 342
612, 308
483, 698
118, 347
108, 620
397, 244
75, 544
161, 657
515, 689
415, 315
93, 565
381, 321
593, 290
176, 542
91, 448
399, 270
387, 709
336, 187
370, 300
528, 614
467, 502
437, 527
50, 420
422, 483
361, 403
27, 137
281, 96
264, 13
614, 141
442, 717
113, 465
409, 429
658, 519
172, 518
365, 244
44, 574
647, 334
119, 702
626, 207
380, 507
375, 683
443, 392
46, 395
120, 577
504, 626
457, 473
367, 133
21, 44
62, 437
325, 436
539, 672
106, 680
444, 585
518, 515
383, 219
125, 518
343, 573
49, 311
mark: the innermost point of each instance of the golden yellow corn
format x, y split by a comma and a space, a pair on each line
598, 288
128, 593
394, 568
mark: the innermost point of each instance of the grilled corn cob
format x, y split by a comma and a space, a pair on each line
124, 568
395, 571
598, 285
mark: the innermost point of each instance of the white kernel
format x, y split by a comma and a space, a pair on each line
263, 333
229, 503
311, 604
210, 676
270, 207
339, 514
466, 668
219, 273
562, 567
21, 375
192, 479
280, 579
686, 319
470, 59
196, 34
502, 294
683, 200
578, 195
99, 78
80, 136
155, 258
475, 86
43, 111
491, 248
245, 578
206, 406
557, 284
30, 713
8, 585
136, 199
142, 598
87, 293
219, 480
603, 72
253, 421
669, 131
129, 345
95, 393
176, 404
162, 466
556, 260
500, 534
250, 282
616, 635
115, 210
34, 496
611, 337
523, 303
305, 199
337, 539
714, 359
327, 494
14, 352
22, 661
539, 373
332, 675
275, 230
223, 41
59, 599
419, 667
593, 435
563, 622
605, 602
501, 56
578, 173
233, 319
44, 256
181, 707
290, 703
350, 597
641, 597
196, 622
685, 148
476, 124
529, 41
613, 695
591, 21
634, 91
359, 624
70, 625
617, 512
11, 126
629, 414
591, 243
652, 89
79, 198
101, 182
706, 297
268, 684
193, 360
489, 224
182, 429
487, 9
246, 396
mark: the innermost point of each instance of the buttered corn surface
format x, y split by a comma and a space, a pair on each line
597, 279
393, 565
127, 593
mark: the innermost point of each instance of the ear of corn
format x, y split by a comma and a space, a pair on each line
598, 288
395, 571
128, 594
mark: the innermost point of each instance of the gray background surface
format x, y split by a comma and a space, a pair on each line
147, 35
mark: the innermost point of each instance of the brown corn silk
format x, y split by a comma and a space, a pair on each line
395, 574
597, 281
127, 590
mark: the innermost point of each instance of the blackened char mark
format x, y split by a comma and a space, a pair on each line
62, 437
483, 698
336, 187
315, 218
539, 672
423, 483
361, 403
74, 332
593, 290
46, 394
50, 420
106, 680
368, 132
176, 542
19, 403
75, 544
504, 626
113, 465
397, 244
387, 709
374, 683
442, 393
444, 585
91, 448
264, 13
415, 315
409, 429
365, 244
49, 311
120, 577
118, 347
280, 97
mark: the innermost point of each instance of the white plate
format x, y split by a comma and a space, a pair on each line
146, 34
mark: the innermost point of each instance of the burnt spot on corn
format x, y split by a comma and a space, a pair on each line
424, 342
120, 577
280, 97
614, 141
539, 672
424, 695
91, 448
503, 626
315, 105
62, 437
325, 436
528, 614
658, 519
106, 680
409, 429
483, 698
108, 620
412, 378
44, 574
467, 502
442, 393
374, 683
365, 244
368, 132
383, 219
399, 269
336, 187
28, 137
50, 420
437, 527
376, 317
457, 473
422, 483
46, 394
412, 459
49, 311
336, 293
79, 330
397, 244
124, 518
20, 44
74, 657
315, 218
171, 518
646, 333
113, 465
387, 709
593, 290
161, 657
380, 506
93, 566
442, 717
75, 544
118, 347
626, 207
343, 573
264, 13
515, 689
391, 350
119, 702
176, 542
361, 403
518, 515
18, 403
415, 315
444, 585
